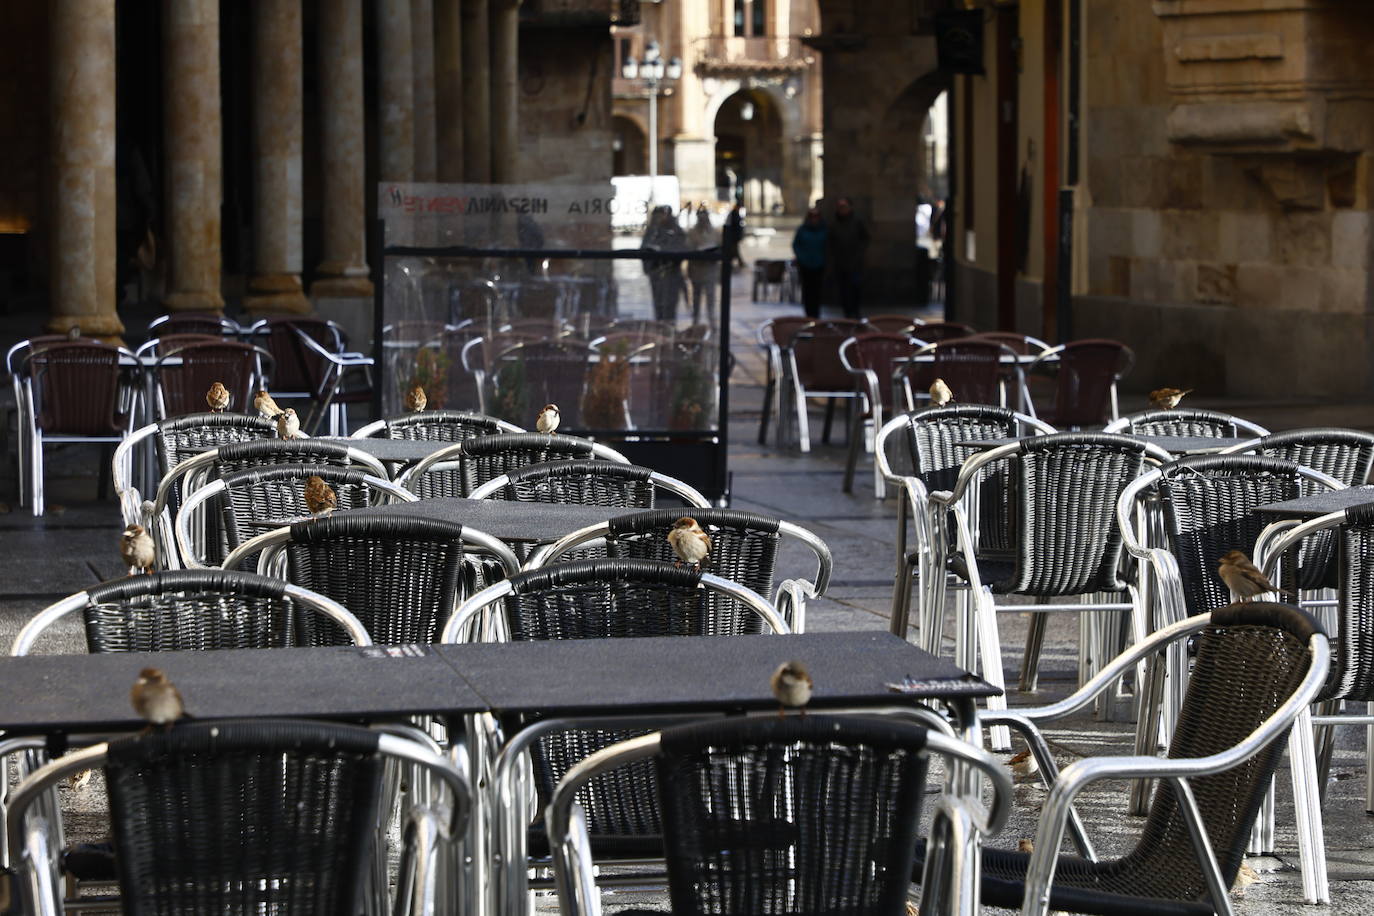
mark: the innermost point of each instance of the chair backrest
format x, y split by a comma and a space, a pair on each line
193, 323
257, 453
1208, 503
894, 324
880, 353
1352, 662
1345, 454
816, 351
185, 373
1065, 489
179, 438
1020, 344
245, 817
1088, 371
76, 388
936, 331
298, 368
488, 457
972, 368
401, 576
790, 816
781, 331
581, 483
440, 426
1183, 422
533, 373
201, 609
1250, 659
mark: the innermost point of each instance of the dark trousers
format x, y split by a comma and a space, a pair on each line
850, 283
812, 279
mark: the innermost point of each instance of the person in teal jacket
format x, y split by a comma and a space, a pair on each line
809, 245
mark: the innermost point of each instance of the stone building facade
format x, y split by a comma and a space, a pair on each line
235, 143
744, 120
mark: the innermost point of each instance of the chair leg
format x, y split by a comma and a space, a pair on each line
768, 388
1150, 697
901, 600
36, 475
803, 424
989, 649
1307, 804
851, 458
829, 420
1326, 745
1035, 640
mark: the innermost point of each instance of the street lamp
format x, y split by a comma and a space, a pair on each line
654, 71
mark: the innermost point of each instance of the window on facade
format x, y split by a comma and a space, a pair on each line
739, 17
759, 17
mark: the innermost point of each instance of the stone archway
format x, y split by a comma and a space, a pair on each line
769, 96
629, 146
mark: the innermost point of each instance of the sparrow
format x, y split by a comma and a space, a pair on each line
265, 406
288, 426
690, 544
1025, 845
217, 397
940, 395
1167, 398
415, 400
547, 420
136, 548
74, 332
1243, 578
1023, 765
791, 686
157, 699
320, 498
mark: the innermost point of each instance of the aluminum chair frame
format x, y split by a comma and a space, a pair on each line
773, 366
976, 632
866, 379
446, 459
1053, 354
575, 872
793, 394
339, 364
187, 548
418, 891
1127, 424
679, 488
1295, 439
371, 430
790, 595
1058, 815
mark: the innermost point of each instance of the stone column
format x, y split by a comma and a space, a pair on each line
448, 88
343, 272
276, 282
191, 119
82, 61
505, 90
397, 91
476, 93
422, 58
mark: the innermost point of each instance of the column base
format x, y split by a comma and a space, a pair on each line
276, 294
197, 301
341, 287
103, 327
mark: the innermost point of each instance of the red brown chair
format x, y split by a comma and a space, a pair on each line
1086, 373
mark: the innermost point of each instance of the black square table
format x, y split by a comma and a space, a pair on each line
519, 524
1321, 503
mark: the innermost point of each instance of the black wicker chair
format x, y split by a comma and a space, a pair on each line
600, 599
240, 506
918, 454
744, 549
814, 815
485, 458
198, 609
436, 426
1064, 492
403, 576
1185, 422
1257, 666
589, 483
247, 816
1345, 454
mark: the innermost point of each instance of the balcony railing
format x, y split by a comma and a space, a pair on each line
730, 53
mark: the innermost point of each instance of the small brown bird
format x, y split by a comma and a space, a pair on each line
217, 397
265, 406
136, 549
74, 332
1167, 398
1243, 578
157, 699
1023, 765
415, 400
548, 419
690, 544
1025, 845
940, 395
288, 426
320, 498
791, 685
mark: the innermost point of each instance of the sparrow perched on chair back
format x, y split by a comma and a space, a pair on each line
548, 418
940, 395
74, 332
1243, 578
319, 496
791, 685
136, 549
1167, 398
157, 699
415, 400
217, 397
690, 544
288, 425
265, 406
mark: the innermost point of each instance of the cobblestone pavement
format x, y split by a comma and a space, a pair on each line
75, 546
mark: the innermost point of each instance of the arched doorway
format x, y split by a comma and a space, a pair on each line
630, 155
749, 151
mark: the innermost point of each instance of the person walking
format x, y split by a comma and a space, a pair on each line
809, 247
704, 275
734, 234
664, 273
848, 242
